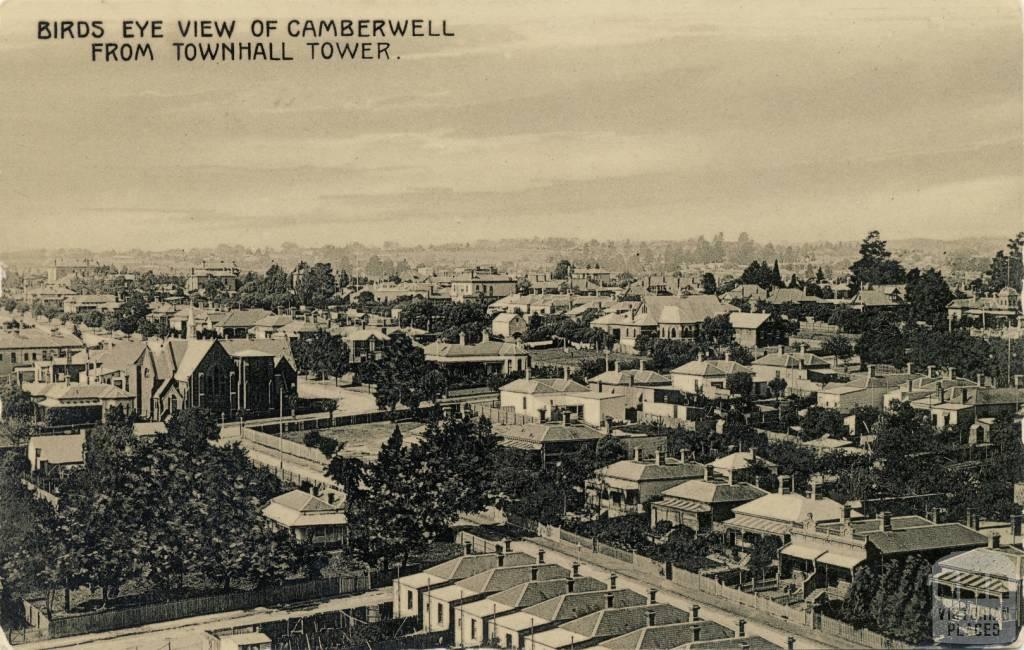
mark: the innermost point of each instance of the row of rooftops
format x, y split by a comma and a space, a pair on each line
558, 607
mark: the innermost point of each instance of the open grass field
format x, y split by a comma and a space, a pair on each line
363, 440
573, 357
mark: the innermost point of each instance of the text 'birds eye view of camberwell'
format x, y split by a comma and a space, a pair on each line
588, 326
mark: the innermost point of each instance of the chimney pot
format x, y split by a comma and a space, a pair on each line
993, 541
540, 556
609, 600
534, 572
501, 560
575, 568
741, 628
694, 612
570, 585
650, 618
696, 633
652, 596
847, 511
612, 579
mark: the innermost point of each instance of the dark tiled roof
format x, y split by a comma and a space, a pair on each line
926, 538
667, 636
468, 565
571, 606
501, 578
613, 622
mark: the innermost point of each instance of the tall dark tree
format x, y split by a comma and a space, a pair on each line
928, 294
1007, 267
876, 265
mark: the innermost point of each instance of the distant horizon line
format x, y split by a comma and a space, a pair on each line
396, 246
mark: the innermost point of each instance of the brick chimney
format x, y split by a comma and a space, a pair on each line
951, 372
540, 556
617, 367
886, 518
847, 512
642, 364
508, 545
570, 585
565, 418
468, 548
659, 457
462, 338
741, 628
650, 618
527, 373
980, 379
910, 368
931, 371
652, 596
609, 600
501, 561
607, 426
871, 370
565, 373
993, 540
696, 632
575, 568
790, 642
534, 572
612, 579
638, 454
694, 613
707, 472
785, 487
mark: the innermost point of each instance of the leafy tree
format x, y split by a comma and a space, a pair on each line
321, 354
561, 271
876, 265
928, 295
822, 421
740, 383
777, 386
708, 284
317, 286
398, 376
836, 345
1007, 268
716, 331
882, 343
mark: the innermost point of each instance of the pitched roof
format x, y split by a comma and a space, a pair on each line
531, 593
274, 320
244, 317
501, 578
714, 491
278, 348
711, 368
195, 352
672, 635
506, 317
467, 565
791, 360
539, 386
30, 337
299, 508
546, 433
685, 309
619, 620
121, 356
735, 643
744, 321
58, 450
739, 460
481, 349
570, 606
623, 377
790, 508
1003, 562
926, 538
631, 470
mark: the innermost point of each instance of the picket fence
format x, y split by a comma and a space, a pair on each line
705, 584
290, 447
159, 612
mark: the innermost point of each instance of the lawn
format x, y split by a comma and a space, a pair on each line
363, 440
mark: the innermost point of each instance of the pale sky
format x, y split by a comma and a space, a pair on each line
790, 120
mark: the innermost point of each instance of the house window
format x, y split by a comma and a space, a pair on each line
440, 613
472, 629
408, 599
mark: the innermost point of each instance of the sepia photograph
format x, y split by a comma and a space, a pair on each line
528, 325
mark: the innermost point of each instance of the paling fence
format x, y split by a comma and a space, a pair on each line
173, 610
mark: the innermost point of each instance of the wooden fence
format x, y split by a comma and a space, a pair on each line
498, 415
289, 447
156, 613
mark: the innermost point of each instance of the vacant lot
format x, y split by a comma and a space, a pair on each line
363, 440
572, 357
